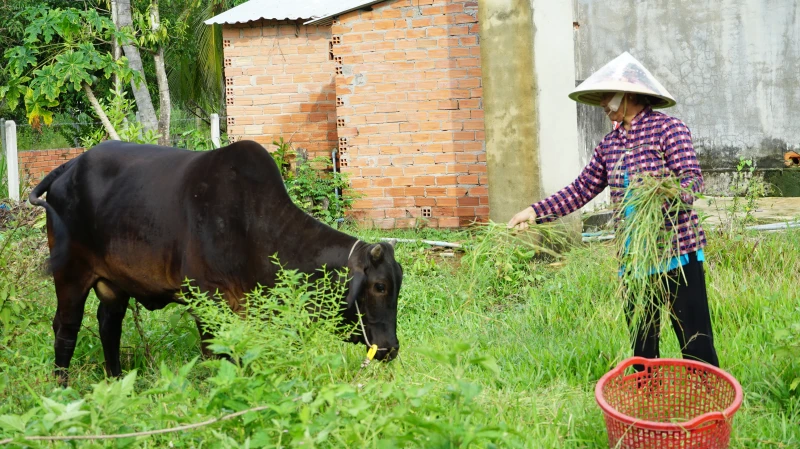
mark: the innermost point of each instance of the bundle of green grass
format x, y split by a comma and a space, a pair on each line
647, 241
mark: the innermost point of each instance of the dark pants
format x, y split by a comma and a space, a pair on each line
689, 314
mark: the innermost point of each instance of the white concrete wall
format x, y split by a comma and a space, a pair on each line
560, 155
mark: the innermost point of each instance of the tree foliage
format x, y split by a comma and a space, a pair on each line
64, 50
192, 49
196, 74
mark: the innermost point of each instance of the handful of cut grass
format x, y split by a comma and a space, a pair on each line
496, 239
494, 243
647, 242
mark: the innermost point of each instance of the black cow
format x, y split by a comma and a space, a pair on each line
133, 220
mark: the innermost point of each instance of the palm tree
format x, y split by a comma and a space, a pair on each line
195, 73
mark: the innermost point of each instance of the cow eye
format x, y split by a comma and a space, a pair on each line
380, 288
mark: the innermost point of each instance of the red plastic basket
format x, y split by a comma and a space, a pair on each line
672, 403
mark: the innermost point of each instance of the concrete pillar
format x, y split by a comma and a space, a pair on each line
12, 164
509, 105
527, 59
554, 59
215, 138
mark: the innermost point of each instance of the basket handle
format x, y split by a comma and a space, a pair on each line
629, 362
705, 417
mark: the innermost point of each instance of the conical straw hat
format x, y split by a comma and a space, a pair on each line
623, 74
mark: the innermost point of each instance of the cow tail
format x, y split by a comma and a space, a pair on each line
60, 249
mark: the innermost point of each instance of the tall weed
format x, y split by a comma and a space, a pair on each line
3, 177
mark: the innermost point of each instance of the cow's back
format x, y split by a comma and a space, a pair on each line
121, 205
145, 216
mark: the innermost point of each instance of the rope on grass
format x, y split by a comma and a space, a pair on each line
140, 434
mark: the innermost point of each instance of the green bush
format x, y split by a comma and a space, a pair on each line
21, 260
312, 186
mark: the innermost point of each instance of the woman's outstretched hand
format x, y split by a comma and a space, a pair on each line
523, 218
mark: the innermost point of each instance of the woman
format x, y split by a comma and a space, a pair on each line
646, 142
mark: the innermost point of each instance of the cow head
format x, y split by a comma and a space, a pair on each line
375, 280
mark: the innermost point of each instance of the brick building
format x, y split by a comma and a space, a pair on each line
394, 86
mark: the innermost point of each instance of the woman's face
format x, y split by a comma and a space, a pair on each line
614, 116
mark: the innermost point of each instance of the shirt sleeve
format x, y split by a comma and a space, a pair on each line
681, 158
592, 180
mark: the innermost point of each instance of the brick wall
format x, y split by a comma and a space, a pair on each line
410, 119
280, 83
35, 165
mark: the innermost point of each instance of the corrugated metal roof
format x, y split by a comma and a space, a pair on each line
318, 11
342, 9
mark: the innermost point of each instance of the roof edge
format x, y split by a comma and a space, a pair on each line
256, 19
223, 17
327, 19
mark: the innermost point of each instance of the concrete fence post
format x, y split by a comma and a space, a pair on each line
215, 131
11, 160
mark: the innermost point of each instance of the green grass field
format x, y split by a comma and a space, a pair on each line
496, 351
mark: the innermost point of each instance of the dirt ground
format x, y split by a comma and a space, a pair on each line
768, 210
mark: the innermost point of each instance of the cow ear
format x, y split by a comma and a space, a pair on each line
355, 287
376, 253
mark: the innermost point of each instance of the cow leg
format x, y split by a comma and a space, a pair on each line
110, 313
109, 317
71, 291
204, 336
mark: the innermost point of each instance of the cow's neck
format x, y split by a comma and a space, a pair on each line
314, 243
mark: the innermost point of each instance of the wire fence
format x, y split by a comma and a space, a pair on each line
184, 133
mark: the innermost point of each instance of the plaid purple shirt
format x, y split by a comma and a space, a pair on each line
656, 142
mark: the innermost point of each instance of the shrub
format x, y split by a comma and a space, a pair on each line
312, 186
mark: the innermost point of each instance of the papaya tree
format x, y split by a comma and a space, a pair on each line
63, 50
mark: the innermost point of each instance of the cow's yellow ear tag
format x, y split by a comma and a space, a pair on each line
372, 351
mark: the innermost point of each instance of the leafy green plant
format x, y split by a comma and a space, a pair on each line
312, 186
283, 156
314, 190
20, 259
195, 140
746, 189
294, 314
121, 115
43, 138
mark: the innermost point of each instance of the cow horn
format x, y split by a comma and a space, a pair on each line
376, 253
